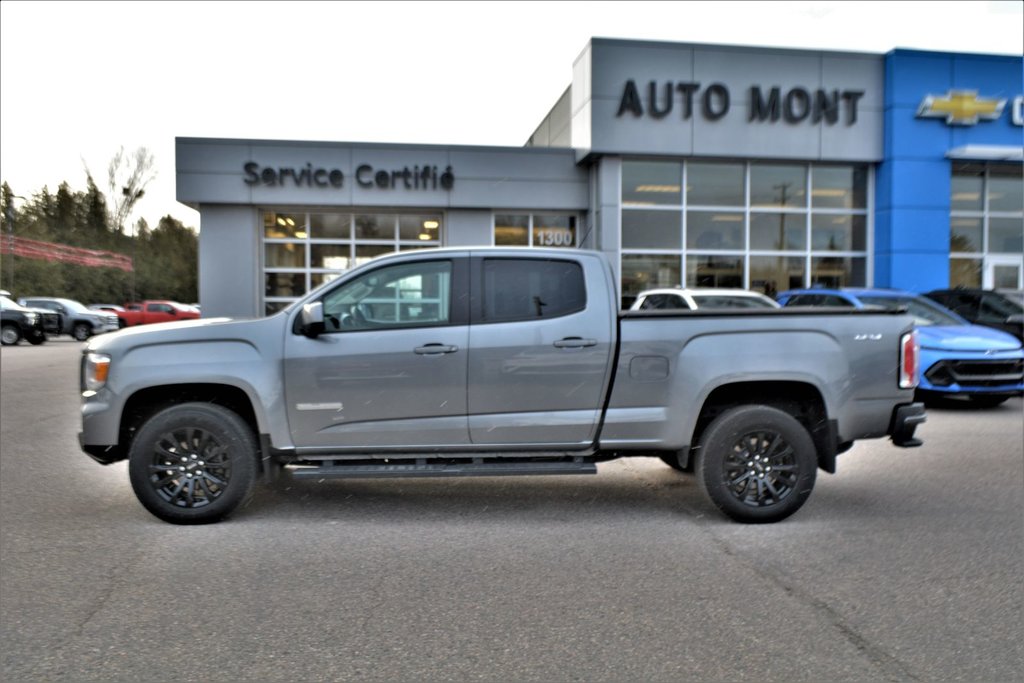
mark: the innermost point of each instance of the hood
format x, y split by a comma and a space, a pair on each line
198, 329
966, 338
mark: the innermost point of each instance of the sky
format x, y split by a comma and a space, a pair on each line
80, 80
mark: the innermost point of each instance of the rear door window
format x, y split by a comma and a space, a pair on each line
530, 289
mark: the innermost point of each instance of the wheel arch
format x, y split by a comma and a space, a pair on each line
145, 403
802, 400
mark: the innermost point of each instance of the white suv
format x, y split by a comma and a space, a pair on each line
674, 298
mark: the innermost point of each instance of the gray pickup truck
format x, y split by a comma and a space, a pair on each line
491, 362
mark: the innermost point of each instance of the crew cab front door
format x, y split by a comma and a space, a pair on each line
389, 370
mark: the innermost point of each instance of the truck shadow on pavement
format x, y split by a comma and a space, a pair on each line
550, 498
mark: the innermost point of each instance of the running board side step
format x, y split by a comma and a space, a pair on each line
462, 469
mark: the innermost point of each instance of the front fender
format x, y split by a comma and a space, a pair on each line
233, 363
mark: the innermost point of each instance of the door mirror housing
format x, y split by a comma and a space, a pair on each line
312, 319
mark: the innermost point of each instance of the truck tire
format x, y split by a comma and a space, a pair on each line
757, 464
193, 463
9, 335
81, 331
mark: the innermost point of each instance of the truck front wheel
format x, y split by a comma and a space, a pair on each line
193, 463
756, 463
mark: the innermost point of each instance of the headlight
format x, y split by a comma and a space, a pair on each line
96, 371
32, 318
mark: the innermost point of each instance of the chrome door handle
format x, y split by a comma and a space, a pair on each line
574, 343
435, 349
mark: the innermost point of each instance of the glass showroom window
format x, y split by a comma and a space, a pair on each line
303, 250
755, 225
534, 230
986, 225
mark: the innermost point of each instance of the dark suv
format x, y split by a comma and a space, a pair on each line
75, 319
18, 322
983, 307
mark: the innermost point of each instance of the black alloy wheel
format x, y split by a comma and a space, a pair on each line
757, 464
193, 463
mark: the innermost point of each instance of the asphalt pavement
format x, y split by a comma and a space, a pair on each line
904, 566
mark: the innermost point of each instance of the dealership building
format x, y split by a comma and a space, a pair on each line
686, 164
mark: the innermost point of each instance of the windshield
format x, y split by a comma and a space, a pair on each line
725, 301
998, 306
1015, 296
925, 313
75, 306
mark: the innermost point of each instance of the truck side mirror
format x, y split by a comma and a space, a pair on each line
312, 318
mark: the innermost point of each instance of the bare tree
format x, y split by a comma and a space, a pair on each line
127, 179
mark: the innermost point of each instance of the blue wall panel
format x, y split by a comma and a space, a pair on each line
920, 184
913, 182
909, 72
919, 272
990, 76
920, 230
914, 137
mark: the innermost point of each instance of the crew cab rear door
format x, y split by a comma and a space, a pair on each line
540, 349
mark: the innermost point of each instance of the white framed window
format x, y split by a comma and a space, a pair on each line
304, 249
767, 226
535, 229
986, 225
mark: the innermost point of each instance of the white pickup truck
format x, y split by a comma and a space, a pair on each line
490, 362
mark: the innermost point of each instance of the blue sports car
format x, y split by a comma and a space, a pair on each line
957, 358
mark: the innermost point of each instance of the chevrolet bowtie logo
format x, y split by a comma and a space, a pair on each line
961, 107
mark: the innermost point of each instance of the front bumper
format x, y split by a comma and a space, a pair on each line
905, 419
972, 373
104, 455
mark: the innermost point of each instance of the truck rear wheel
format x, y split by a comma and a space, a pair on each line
757, 464
193, 463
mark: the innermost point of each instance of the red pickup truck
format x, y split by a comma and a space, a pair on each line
145, 312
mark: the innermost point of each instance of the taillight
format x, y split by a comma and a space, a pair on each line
909, 352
